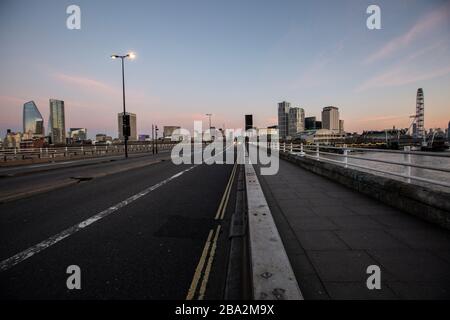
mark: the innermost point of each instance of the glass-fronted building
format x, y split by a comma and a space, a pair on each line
56, 122
33, 122
283, 119
296, 121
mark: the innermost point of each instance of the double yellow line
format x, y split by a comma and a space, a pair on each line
226, 195
209, 250
211, 242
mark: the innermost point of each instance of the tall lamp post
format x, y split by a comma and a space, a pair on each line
125, 119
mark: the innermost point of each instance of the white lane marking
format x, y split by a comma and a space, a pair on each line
21, 256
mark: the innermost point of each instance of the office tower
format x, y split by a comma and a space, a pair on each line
248, 122
330, 118
419, 130
296, 121
283, 119
310, 123
56, 122
33, 122
133, 128
448, 131
168, 131
341, 126
78, 134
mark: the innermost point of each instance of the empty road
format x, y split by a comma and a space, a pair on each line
151, 231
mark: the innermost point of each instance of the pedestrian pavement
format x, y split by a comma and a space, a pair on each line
332, 234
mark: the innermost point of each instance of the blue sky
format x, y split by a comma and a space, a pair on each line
227, 58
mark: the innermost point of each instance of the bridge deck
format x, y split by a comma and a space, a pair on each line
332, 234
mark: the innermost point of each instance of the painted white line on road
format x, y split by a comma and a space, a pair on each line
28, 253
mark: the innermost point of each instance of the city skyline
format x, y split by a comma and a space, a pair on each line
181, 74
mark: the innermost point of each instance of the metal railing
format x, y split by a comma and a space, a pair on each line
342, 156
14, 154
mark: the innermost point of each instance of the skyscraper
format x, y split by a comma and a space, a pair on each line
330, 118
341, 126
296, 121
283, 119
448, 131
133, 129
57, 122
33, 122
310, 123
248, 122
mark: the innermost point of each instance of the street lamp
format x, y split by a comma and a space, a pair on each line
125, 119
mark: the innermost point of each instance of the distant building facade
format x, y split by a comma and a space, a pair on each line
310, 123
33, 122
78, 134
283, 119
248, 122
296, 121
57, 122
100, 137
341, 126
168, 131
330, 118
144, 137
12, 139
448, 131
133, 128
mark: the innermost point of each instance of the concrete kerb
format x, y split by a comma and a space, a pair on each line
271, 271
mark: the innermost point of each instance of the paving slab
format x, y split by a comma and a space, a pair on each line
332, 234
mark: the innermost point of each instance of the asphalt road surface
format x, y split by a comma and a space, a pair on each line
149, 232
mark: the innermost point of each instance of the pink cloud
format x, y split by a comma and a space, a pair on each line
422, 27
85, 82
401, 76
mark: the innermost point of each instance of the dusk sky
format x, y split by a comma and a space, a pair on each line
227, 58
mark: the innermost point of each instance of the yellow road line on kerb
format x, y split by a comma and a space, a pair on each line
198, 270
227, 190
209, 265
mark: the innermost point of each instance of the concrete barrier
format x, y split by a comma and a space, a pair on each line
272, 274
431, 205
